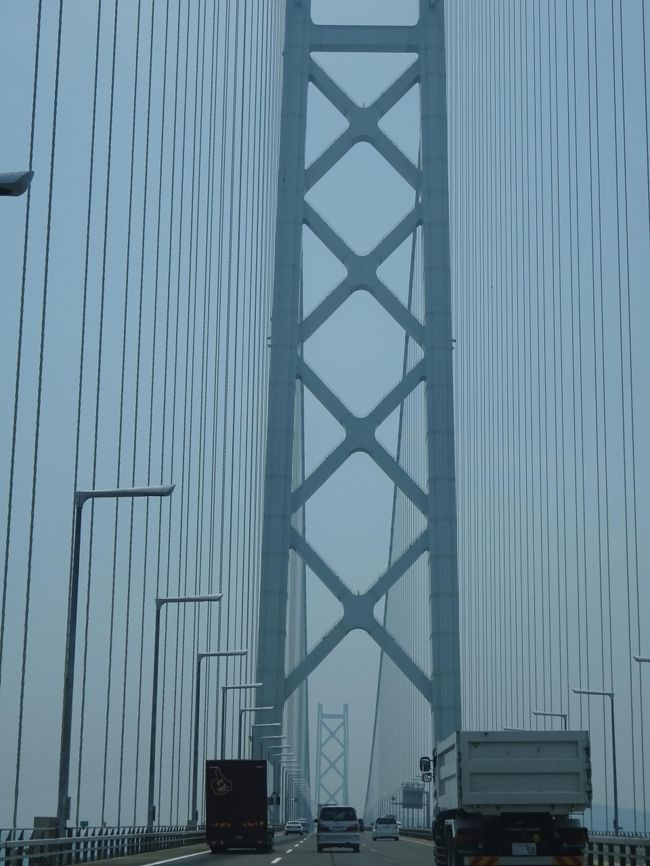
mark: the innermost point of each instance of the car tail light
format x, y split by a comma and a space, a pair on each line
322, 828
352, 828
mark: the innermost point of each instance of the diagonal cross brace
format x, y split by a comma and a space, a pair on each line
363, 125
358, 613
360, 436
362, 274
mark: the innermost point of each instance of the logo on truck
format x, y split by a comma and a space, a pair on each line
219, 784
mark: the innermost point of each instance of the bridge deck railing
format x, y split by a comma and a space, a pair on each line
627, 849
27, 847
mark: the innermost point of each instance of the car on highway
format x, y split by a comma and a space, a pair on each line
338, 827
386, 828
293, 827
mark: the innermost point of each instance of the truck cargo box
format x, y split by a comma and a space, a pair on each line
493, 772
236, 805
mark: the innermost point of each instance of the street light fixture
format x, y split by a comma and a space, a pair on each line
272, 737
289, 769
641, 659
197, 702
80, 498
15, 182
563, 716
242, 713
160, 603
610, 695
224, 691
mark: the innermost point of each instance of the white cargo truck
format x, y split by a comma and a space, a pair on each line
510, 798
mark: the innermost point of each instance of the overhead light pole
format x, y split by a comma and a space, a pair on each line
289, 769
224, 691
610, 695
80, 498
160, 603
14, 183
563, 716
282, 751
197, 709
242, 712
270, 737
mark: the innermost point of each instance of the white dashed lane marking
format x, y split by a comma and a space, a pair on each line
172, 859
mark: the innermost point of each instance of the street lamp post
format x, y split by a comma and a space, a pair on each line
291, 769
563, 716
160, 603
271, 737
282, 751
242, 712
197, 702
224, 691
610, 695
286, 760
80, 498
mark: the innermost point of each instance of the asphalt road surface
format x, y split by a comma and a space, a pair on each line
301, 851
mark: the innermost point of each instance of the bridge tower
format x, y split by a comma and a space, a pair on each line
332, 752
287, 491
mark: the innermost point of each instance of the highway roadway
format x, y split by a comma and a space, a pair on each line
296, 851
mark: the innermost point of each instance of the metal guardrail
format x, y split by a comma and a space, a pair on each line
27, 847
627, 849
624, 850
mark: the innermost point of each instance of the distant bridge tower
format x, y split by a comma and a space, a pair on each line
285, 491
332, 752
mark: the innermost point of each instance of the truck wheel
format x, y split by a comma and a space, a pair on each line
355, 848
319, 848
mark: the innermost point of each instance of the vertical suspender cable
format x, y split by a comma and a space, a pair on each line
121, 413
41, 360
153, 370
164, 567
171, 751
84, 323
632, 417
136, 418
19, 349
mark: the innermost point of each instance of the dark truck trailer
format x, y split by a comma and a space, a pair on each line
236, 806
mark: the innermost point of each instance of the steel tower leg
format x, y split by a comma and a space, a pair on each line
282, 500
443, 565
283, 363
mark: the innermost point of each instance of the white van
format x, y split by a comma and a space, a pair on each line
338, 827
386, 828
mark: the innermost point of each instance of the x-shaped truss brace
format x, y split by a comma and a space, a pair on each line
360, 432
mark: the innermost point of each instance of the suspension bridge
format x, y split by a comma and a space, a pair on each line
324, 397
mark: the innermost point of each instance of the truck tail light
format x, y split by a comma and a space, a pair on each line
322, 828
573, 836
469, 836
352, 828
